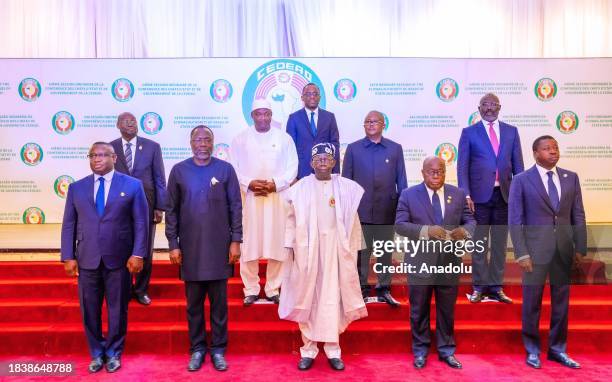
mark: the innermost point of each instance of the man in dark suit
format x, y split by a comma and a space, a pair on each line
548, 230
489, 156
377, 164
430, 214
104, 234
311, 125
142, 158
204, 231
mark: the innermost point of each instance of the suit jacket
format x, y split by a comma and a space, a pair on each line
539, 231
414, 211
477, 164
298, 126
120, 233
381, 171
148, 167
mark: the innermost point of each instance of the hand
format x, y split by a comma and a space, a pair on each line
234, 252
134, 264
157, 216
270, 186
259, 187
71, 267
436, 232
526, 264
176, 257
470, 204
458, 234
577, 260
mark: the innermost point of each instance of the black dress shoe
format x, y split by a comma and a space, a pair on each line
533, 360
500, 296
386, 297
419, 361
249, 300
95, 365
564, 360
305, 363
113, 364
275, 299
219, 363
451, 361
336, 363
475, 297
196, 361
143, 299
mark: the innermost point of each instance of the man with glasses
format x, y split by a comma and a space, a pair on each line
489, 157
377, 164
104, 239
311, 125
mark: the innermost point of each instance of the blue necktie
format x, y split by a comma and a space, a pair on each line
100, 197
313, 127
553, 193
437, 208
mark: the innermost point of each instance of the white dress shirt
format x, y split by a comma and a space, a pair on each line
424, 230
316, 116
134, 142
496, 129
544, 175
108, 178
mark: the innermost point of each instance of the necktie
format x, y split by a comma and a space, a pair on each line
495, 144
437, 208
100, 197
313, 127
128, 156
553, 193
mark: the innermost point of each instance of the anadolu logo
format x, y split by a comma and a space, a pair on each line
151, 123
29, 89
31, 154
345, 90
474, 118
33, 215
280, 82
221, 91
567, 122
343, 147
447, 152
221, 151
122, 89
63, 122
447, 90
60, 186
545, 89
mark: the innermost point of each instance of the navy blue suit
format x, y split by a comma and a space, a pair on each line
476, 169
380, 169
148, 167
551, 239
298, 126
102, 246
413, 212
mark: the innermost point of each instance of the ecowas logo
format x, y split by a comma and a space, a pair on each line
60, 186
567, 122
280, 82
545, 89
474, 118
122, 90
345, 90
222, 151
447, 152
386, 121
447, 89
31, 154
343, 147
221, 91
33, 215
29, 89
151, 123
63, 122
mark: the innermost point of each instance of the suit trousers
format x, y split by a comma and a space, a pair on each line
143, 278
373, 232
196, 292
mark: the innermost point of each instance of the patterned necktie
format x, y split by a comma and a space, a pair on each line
313, 127
495, 144
437, 208
128, 156
553, 193
100, 197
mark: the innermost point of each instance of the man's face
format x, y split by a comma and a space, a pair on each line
323, 164
489, 107
202, 143
127, 125
373, 124
262, 118
101, 159
311, 97
547, 153
434, 173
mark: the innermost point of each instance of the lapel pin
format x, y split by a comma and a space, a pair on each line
123, 194
140, 147
565, 175
387, 160
448, 201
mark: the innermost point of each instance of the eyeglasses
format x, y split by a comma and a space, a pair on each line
490, 104
435, 172
311, 94
372, 123
94, 156
198, 141
323, 160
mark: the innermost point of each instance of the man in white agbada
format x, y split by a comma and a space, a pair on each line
266, 163
321, 288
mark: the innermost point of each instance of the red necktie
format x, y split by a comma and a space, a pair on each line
495, 144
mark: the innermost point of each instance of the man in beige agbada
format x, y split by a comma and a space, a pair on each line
320, 289
266, 163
